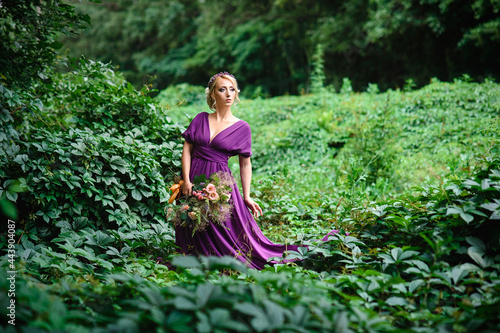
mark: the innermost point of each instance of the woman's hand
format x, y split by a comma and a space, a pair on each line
254, 207
186, 188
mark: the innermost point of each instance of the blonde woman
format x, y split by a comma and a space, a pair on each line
210, 140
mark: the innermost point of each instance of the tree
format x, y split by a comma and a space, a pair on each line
389, 41
270, 44
28, 31
142, 38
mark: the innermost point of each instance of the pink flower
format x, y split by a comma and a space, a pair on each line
333, 232
185, 207
192, 215
347, 233
213, 196
199, 195
211, 188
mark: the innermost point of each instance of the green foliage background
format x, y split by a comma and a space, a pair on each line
270, 44
406, 181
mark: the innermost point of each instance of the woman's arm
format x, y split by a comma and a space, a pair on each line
186, 168
246, 179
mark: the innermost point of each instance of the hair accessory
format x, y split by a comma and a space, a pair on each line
218, 75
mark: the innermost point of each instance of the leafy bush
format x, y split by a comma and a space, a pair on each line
446, 272
95, 156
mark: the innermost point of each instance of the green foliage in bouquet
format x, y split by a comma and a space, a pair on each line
210, 202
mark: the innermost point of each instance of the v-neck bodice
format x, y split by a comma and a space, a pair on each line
236, 139
211, 138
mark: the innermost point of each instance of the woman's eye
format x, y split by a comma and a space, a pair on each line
221, 90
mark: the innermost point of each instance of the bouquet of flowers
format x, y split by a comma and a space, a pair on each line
209, 202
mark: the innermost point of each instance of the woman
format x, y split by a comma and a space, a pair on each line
210, 140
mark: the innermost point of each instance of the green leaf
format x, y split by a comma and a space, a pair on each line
491, 206
414, 285
421, 265
118, 163
495, 215
467, 217
408, 254
186, 262
387, 258
8, 208
147, 194
113, 251
136, 194
85, 254
203, 293
179, 321
275, 313
104, 263
182, 303
457, 274
477, 256
157, 315
454, 210
396, 301
63, 224
471, 183
12, 196
476, 242
259, 321
396, 254
21, 159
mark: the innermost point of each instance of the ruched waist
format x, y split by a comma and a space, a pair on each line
210, 154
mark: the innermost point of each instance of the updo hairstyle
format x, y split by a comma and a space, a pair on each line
213, 83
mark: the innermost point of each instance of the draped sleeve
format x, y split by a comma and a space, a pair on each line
189, 133
244, 142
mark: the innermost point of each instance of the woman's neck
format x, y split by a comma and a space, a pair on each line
223, 114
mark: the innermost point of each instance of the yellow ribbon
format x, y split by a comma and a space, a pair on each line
175, 189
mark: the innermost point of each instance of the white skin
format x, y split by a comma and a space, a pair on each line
224, 95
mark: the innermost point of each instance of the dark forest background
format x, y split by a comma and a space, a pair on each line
270, 45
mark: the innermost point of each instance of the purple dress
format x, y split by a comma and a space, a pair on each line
242, 237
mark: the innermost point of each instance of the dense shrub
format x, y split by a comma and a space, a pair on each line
96, 155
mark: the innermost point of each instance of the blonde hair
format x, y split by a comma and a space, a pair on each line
210, 89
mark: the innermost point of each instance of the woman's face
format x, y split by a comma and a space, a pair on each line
224, 92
